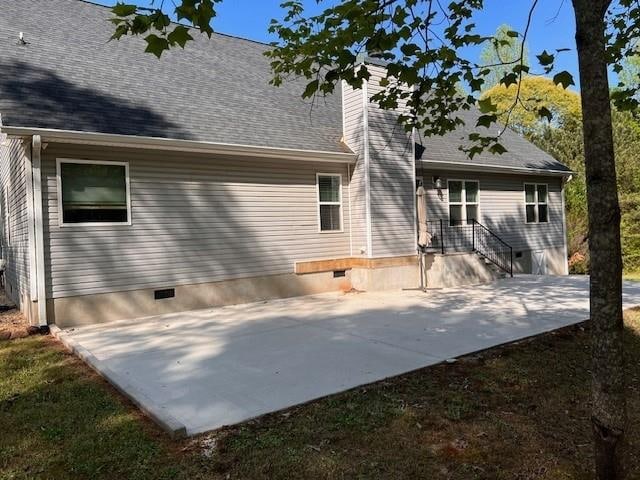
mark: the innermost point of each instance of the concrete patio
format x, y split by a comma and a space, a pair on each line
200, 370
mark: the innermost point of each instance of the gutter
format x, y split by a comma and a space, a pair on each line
116, 140
483, 167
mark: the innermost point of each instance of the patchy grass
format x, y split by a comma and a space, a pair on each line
520, 412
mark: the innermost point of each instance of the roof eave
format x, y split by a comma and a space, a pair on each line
130, 141
484, 167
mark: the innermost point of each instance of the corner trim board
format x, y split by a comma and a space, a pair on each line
367, 180
36, 159
31, 229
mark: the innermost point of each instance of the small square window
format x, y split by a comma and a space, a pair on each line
93, 192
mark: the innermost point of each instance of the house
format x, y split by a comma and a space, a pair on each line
132, 186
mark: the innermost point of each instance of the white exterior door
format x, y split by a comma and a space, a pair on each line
538, 263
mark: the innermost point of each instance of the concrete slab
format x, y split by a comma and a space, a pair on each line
215, 367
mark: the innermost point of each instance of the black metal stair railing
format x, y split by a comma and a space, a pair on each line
470, 236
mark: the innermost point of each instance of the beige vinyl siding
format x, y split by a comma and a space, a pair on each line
13, 208
502, 207
194, 218
353, 121
391, 178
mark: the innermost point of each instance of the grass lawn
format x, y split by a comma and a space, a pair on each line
519, 412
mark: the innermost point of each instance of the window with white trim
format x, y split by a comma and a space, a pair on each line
93, 192
464, 201
535, 202
329, 202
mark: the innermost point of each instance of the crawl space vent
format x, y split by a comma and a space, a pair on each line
165, 293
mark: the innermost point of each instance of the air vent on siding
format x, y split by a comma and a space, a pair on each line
165, 293
339, 273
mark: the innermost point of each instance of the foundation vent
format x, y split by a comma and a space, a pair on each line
339, 273
165, 293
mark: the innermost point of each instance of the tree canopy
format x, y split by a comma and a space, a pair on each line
502, 51
530, 95
562, 138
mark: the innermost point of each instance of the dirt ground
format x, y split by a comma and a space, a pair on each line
12, 323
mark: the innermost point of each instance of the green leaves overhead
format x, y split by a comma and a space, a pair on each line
123, 10
486, 120
545, 58
544, 112
179, 36
563, 78
486, 105
423, 43
156, 24
156, 44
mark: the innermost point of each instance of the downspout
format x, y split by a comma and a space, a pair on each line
367, 180
31, 229
565, 180
38, 223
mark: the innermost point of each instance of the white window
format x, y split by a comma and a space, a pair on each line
464, 201
329, 188
93, 192
535, 202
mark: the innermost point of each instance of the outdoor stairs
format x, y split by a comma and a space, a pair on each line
464, 254
492, 266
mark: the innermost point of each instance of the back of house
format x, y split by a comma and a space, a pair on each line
132, 186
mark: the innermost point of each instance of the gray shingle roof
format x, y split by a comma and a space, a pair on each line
70, 77
520, 152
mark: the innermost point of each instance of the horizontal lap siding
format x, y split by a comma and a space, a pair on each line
392, 179
354, 137
502, 207
13, 204
195, 219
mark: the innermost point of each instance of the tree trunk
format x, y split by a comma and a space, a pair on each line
608, 394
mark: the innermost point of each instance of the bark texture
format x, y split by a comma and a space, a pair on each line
609, 406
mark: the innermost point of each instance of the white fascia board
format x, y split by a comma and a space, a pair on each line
130, 141
483, 167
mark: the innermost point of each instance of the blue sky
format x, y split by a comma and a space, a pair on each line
553, 24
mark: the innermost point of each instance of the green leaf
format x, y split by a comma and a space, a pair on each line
563, 78
179, 35
124, 10
486, 120
486, 105
156, 44
544, 112
545, 58
497, 149
509, 79
312, 88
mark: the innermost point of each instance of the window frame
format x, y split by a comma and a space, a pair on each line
339, 203
61, 222
463, 203
536, 203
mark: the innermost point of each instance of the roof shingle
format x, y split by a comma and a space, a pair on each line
70, 77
